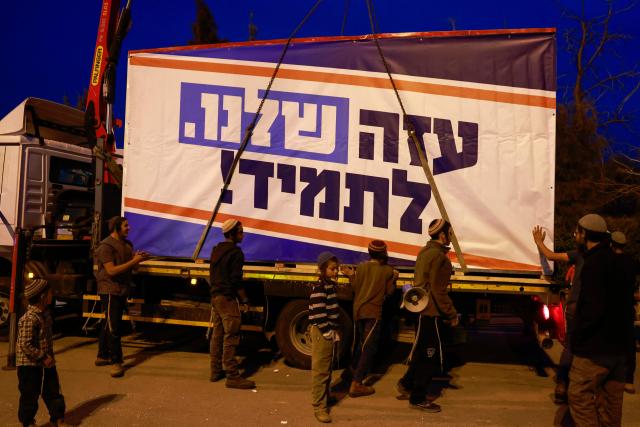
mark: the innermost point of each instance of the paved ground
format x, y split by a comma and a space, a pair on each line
504, 382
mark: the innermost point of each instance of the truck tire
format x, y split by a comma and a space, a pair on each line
293, 333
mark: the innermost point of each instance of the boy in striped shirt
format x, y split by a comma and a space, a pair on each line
323, 315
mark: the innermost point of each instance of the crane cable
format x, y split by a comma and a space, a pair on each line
247, 134
344, 16
412, 134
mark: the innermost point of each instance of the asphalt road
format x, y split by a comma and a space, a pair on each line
503, 379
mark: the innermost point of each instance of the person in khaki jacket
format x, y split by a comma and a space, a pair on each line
433, 274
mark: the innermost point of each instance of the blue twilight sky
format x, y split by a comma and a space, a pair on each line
47, 46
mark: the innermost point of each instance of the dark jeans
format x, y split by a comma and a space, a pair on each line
425, 359
364, 352
564, 365
31, 385
226, 335
109, 344
631, 353
631, 364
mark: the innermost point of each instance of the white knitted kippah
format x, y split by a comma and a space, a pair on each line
228, 225
593, 222
619, 238
437, 226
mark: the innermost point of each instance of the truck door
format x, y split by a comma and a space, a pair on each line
58, 194
9, 173
50, 175
34, 194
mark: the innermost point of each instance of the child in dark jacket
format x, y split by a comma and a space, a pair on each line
323, 315
372, 281
37, 374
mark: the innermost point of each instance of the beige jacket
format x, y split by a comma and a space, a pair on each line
433, 273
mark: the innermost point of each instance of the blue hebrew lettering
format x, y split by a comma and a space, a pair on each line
226, 160
420, 195
287, 174
290, 124
422, 125
327, 180
357, 185
309, 126
212, 115
262, 171
450, 159
387, 121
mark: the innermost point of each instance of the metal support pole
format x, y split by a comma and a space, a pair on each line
13, 337
227, 181
17, 264
98, 207
412, 134
247, 135
436, 194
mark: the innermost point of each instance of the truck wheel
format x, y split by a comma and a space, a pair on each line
293, 333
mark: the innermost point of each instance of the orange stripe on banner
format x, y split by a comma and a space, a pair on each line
324, 235
352, 80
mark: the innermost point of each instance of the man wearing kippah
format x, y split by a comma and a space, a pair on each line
433, 274
600, 332
115, 260
372, 281
226, 289
575, 259
632, 266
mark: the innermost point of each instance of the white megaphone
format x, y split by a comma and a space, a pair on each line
414, 299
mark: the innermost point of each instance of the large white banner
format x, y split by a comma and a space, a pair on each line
330, 165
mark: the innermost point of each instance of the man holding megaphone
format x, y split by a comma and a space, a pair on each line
432, 274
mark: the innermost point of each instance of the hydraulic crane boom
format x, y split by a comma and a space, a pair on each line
113, 26
99, 119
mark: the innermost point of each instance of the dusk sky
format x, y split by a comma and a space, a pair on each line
47, 46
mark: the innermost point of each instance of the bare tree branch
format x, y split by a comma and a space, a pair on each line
628, 97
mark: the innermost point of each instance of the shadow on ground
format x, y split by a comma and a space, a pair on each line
501, 345
60, 350
496, 345
84, 410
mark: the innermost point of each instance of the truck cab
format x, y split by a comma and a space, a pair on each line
47, 180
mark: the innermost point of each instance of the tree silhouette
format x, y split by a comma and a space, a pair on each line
593, 174
81, 100
205, 30
253, 30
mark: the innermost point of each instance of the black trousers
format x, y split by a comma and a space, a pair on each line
34, 381
425, 360
631, 355
366, 347
109, 344
564, 365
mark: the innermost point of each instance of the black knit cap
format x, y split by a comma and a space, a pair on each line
35, 287
324, 257
377, 246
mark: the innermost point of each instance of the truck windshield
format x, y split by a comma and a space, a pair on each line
70, 172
